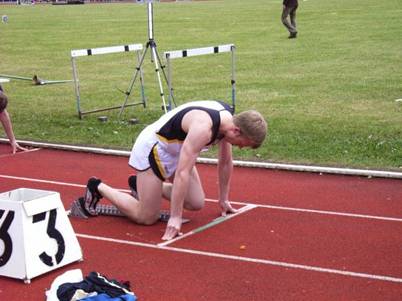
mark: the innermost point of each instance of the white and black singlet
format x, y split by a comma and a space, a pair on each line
158, 145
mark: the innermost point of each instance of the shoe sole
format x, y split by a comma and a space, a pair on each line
90, 202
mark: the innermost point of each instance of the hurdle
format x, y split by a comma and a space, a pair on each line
175, 54
98, 51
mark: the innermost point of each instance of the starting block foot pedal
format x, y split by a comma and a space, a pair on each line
77, 210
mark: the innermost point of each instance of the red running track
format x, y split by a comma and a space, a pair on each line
306, 236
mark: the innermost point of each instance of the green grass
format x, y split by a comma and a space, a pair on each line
329, 96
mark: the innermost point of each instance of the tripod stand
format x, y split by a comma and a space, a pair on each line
154, 58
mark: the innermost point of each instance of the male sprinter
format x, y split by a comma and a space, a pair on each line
167, 150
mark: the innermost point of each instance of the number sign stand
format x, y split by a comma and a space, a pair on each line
36, 236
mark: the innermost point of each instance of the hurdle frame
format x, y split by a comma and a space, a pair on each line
104, 50
174, 54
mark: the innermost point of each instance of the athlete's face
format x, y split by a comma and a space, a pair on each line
235, 137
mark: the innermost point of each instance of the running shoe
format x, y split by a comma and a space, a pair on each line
92, 196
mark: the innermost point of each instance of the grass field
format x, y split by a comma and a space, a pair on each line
329, 95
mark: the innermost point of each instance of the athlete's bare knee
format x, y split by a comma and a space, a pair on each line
146, 222
146, 219
194, 205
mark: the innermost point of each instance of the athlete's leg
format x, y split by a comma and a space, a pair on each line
195, 197
146, 209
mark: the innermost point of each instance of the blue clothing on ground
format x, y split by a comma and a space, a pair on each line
105, 297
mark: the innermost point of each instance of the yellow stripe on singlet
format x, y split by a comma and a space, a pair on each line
169, 141
158, 162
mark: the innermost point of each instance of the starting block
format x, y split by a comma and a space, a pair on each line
111, 210
36, 236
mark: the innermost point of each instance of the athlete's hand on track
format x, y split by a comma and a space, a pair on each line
226, 208
16, 147
172, 228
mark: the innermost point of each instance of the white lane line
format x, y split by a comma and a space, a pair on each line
248, 259
41, 181
346, 214
20, 152
216, 221
29, 150
354, 215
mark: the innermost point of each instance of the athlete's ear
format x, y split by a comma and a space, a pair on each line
236, 131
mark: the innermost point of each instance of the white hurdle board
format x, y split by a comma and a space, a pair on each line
175, 54
36, 236
98, 51
105, 50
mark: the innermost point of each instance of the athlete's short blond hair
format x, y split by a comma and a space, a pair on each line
252, 125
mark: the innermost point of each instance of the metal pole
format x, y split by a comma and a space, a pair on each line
144, 101
169, 80
155, 58
233, 81
16, 77
150, 21
77, 87
138, 68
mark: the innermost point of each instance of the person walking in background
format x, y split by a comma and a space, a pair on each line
6, 122
289, 17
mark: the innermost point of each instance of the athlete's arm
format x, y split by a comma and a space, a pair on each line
225, 168
6, 122
198, 126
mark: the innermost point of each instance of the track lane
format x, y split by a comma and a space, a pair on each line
162, 272
375, 196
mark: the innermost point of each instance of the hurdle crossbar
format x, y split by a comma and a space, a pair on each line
105, 50
174, 54
97, 51
197, 51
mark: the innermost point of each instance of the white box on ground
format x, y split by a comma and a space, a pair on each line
36, 235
